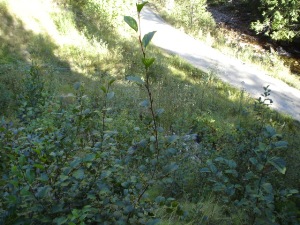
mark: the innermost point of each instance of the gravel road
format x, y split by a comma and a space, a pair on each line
237, 73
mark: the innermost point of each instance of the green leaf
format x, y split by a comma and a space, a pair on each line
205, 170
139, 7
145, 103
153, 222
171, 167
108, 120
57, 208
14, 170
211, 166
174, 204
293, 191
152, 138
179, 212
262, 147
168, 180
169, 210
62, 178
278, 163
42, 191
160, 129
257, 164
128, 209
30, 175
89, 157
253, 161
270, 130
147, 38
232, 164
110, 95
60, 220
75, 162
126, 184
105, 174
249, 175
44, 177
77, 85
219, 187
103, 89
159, 112
148, 62
131, 22
79, 174
39, 166
257, 211
135, 79
111, 81
66, 170
25, 191
172, 151
220, 159
160, 199
172, 139
288, 192
233, 172
267, 187
281, 144
86, 112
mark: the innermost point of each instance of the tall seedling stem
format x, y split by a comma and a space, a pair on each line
147, 62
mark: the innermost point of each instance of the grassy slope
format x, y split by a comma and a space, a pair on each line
73, 43
203, 26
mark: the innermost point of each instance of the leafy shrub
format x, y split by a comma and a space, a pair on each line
192, 14
5, 98
65, 169
70, 166
280, 19
248, 180
33, 96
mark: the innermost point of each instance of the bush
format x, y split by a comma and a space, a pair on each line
5, 98
69, 165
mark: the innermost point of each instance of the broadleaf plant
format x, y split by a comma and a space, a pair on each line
147, 38
131, 22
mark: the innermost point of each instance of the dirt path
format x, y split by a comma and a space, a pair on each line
237, 73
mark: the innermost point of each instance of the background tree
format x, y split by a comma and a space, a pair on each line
280, 19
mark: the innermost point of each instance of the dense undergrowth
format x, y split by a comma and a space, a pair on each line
110, 130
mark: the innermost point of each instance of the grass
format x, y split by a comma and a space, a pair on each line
70, 44
203, 27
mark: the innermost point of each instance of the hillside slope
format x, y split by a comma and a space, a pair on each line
235, 72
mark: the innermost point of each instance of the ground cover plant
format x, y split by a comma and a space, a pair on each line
149, 140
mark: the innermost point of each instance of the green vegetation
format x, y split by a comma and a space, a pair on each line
100, 127
280, 19
195, 18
